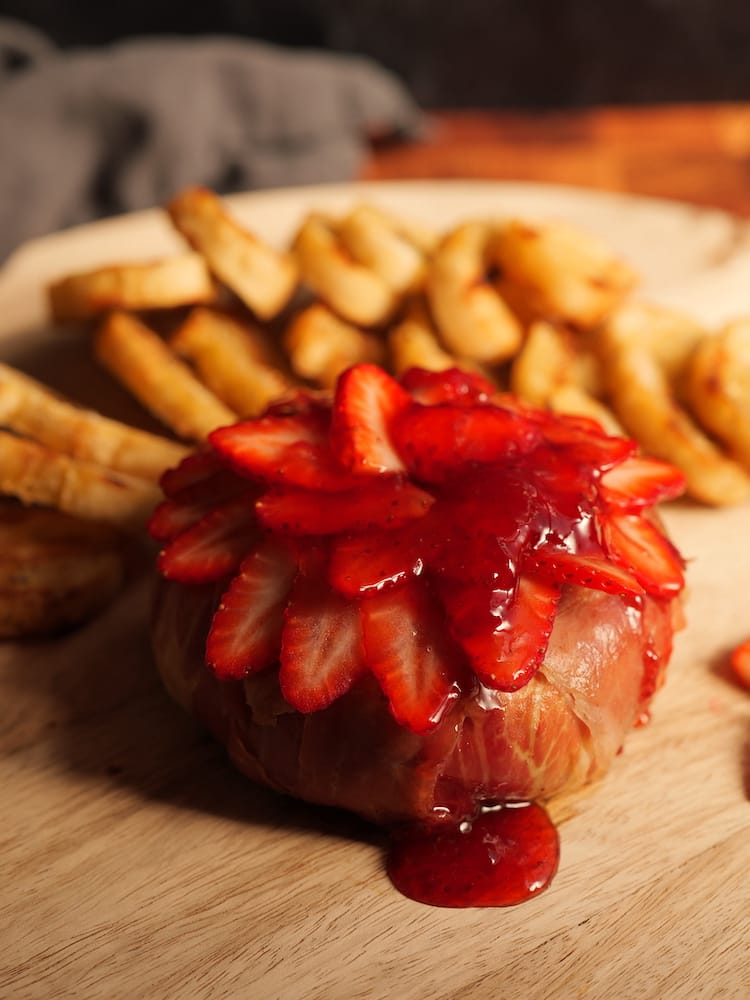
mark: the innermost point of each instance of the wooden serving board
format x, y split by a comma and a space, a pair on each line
136, 863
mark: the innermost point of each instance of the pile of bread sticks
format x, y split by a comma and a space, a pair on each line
215, 333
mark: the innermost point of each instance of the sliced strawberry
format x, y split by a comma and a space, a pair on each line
641, 482
486, 501
569, 426
585, 570
437, 441
367, 563
584, 442
284, 449
170, 518
299, 401
193, 469
202, 481
385, 503
245, 633
509, 401
504, 632
467, 556
213, 547
256, 445
640, 545
740, 663
450, 386
418, 668
367, 401
322, 653
452, 539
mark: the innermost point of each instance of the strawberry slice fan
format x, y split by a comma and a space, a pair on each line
410, 551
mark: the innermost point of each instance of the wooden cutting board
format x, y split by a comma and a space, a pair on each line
136, 863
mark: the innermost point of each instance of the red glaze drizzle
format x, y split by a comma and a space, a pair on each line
504, 856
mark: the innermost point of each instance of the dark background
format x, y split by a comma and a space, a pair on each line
467, 53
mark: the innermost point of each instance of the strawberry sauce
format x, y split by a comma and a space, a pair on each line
505, 855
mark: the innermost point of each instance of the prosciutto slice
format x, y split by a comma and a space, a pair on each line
605, 659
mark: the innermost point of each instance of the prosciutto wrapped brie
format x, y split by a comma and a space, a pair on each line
416, 597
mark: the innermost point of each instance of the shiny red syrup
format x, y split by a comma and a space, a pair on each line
504, 856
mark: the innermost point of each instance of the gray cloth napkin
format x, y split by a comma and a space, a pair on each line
89, 133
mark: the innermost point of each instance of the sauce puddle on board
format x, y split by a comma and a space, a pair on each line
505, 855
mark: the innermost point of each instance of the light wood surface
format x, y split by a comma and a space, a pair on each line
136, 863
